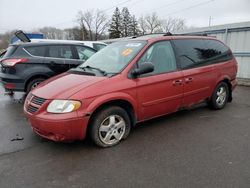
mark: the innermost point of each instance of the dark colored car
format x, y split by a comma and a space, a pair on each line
129, 82
2, 52
26, 65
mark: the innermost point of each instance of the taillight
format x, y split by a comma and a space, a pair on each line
13, 61
9, 86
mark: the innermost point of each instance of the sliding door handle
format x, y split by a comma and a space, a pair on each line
190, 79
177, 82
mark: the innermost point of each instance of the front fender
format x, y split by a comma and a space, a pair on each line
98, 101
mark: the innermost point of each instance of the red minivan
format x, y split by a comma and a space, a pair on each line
129, 82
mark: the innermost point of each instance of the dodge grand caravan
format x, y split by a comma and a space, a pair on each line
129, 82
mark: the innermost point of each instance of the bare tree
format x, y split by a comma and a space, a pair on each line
101, 23
51, 32
173, 24
74, 33
143, 25
94, 22
5, 39
152, 22
82, 25
85, 19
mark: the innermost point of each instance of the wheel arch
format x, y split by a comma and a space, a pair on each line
34, 77
226, 79
123, 103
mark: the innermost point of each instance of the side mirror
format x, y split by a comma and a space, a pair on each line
144, 68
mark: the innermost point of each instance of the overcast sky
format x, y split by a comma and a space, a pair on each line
32, 14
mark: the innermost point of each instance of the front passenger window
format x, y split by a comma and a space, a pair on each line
162, 56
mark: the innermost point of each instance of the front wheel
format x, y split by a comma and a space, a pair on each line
109, 126
219, 97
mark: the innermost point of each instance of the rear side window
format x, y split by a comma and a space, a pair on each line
200, 52
84, 53
60, 51
10, 51
2, 54
36, 50
217, 51
98, 46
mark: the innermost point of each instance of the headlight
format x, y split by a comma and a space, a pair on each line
63, 106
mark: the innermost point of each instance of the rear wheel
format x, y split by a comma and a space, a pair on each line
34, 83
109, 126
220, 96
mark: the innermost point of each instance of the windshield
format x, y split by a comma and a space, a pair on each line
115, 57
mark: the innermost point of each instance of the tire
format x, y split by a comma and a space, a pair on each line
109, 126
219, 97
34, 83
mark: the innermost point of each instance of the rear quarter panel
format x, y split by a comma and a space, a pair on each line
226, 70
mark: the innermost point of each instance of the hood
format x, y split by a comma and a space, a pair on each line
64, 86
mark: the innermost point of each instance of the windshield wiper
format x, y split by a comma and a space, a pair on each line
95, 68
75, 71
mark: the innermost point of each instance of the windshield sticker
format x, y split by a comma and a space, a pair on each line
133, 44
127, 51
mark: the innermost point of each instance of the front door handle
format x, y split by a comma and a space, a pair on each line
190, 79
177, 82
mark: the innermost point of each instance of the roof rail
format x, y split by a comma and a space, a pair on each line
168, 34
192, 34
148, 34
171, 34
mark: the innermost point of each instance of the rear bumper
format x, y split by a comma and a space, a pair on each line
12, 82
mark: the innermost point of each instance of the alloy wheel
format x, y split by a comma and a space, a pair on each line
112, 129
221, 96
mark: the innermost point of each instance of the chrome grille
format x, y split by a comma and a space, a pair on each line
34, 103
32, 109
37, 100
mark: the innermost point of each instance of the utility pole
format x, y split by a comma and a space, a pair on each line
210, 20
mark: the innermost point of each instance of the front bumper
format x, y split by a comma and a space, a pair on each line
56, 127
59, 130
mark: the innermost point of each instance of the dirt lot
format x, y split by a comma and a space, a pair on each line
192, 148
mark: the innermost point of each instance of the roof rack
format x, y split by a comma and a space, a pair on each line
133, 37
185, 34
168, 34
192, 34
